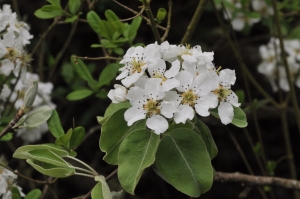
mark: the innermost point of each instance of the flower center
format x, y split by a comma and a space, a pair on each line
151, 107
157, 74
137, 65
222, 93
189, 97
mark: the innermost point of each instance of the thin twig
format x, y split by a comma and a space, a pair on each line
194, 22
170, 4
252, 180
136, 13
99, 58
139, 14
152, 21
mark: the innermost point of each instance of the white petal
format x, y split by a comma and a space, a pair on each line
183, 113
134, 114
135, 94
157, 123
122, 75
173, 96
141, 81
168, 109
129, 80
205, 103
174, 70
185, 78
225, 111
153, 89
155, 65
170, 84
227, 77
233, 99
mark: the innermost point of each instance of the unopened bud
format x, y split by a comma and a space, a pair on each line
29, 96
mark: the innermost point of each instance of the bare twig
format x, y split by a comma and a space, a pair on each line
170, 3
252, 180
99, 58
139, 14
136, 13
194, 22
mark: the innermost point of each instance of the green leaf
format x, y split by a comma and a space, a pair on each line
24, 151
239, 118
67, 72
55, 126
81, 69
94, 21
132, 29
64, 140
241, 96
34, 194
108, 73
97, 45
161, 14
74, 6
119, 51
136, 153
7, 137
184, 162
113, 132
77, 137
79, 94
51, 8
101, 190
36, 117
102, 94
51, 170
55, 2
106, 29
295, 33
112, 108
271, 166
15, 193
71, 19
47, 15
117, 195
114, 20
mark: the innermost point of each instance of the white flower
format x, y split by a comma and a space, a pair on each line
30, 135
148, 103
240, 20
226, 96
4, 93
136, 62
195, 94
262, 7
118, 94
43, 96
157, 69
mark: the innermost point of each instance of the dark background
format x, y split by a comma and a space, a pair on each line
209, 35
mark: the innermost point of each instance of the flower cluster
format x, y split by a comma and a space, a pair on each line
164, 82
272, 65
241, 16
14, 36
7, 181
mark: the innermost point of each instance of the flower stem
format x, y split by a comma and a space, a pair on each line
83, 163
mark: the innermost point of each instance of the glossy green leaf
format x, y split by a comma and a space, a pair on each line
101, 190
239, 118
108, 74
24, 151
47, 15
93, 20
77, 137
113, 132
74, 6
82, 70
51, 8
184, 162
115, 22
134, 26
51, 170
71, 19
136, 153
34, 194
55, 125
79, 94
47, 156
241, 96
161, 14
112, 108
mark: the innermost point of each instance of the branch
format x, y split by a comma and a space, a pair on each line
257, 180
194, 22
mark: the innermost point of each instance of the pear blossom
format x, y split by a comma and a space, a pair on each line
262, 7
136, 62
226, 96
118, 94
148, 104
195, 95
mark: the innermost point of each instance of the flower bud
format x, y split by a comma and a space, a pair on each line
118, 94
30, 96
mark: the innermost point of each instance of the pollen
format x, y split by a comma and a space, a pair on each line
151, 107
222, 93
136, 65
189, 97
